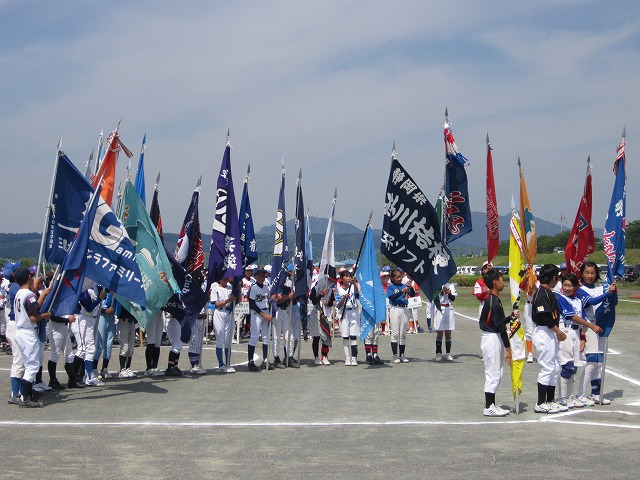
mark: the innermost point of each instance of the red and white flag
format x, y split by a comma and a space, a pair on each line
581, 240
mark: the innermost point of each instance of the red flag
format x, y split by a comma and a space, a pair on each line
107, 169
581, 240
493, 222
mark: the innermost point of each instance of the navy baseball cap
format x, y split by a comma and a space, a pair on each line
9, 268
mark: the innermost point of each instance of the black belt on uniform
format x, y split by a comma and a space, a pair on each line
575, 326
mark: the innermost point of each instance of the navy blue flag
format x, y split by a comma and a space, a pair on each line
71, 193
614, 241
248, 245
372, 297
225, 258
139, 183
411, 234
189, 247
280, 247
300, 265
67, 289
458, 210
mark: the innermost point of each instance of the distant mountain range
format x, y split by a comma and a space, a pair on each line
348, 238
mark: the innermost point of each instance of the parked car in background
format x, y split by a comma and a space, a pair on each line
631, 273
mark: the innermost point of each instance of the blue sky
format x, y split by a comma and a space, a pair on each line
328, 86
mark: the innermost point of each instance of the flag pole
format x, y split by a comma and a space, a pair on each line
48, 212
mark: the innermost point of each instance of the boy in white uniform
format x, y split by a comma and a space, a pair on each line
444, 321
347, 310
27, 315
260, 319
223, 323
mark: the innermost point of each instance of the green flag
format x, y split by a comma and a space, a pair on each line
157, 279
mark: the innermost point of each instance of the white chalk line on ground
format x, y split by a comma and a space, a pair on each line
558, 418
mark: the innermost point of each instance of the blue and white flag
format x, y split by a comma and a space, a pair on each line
458, 210
372, 297
411, 233
248, 244
614, 241
225, 257
139, 183
67, 289
280, 247
71, 193
159, 283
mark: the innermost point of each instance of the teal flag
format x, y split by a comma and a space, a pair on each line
157, 279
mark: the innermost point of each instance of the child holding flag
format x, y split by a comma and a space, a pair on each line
495, 344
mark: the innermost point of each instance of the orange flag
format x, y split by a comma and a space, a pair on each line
107, 169
528, 228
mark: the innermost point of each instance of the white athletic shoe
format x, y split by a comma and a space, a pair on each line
105, 373
347, 362
564, 403
123, 374
573, 402
404, 359
505, 410
558, 406
438, 357
37, 388
316, 361
198, 370
354, 362
546, 408
93, 382
494, 411
596, 399
586, 400
131, 373
325, 361
230, 369
396, 359
447, 358
43, 386
530, 358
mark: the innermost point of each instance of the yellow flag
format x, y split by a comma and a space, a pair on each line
516, 334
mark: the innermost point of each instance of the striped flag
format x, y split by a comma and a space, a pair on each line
528, 229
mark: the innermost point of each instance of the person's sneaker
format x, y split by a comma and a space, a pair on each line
30, 403
564, 403
494, 411
123, 373
596, 399
558, 406
277, 363
75, 384
173, 372
573, 402
56, 385
354, 362
377, 360
586, 400
438, 357
230, 370
316, 361
43, 386
325, 361
293, 363
265, 365
369, 360
506, 411
253, 367
420, 330
545, 408
530, 358
447, 358
396, 359
14, 400
430, 330
37, 388
404, 359
347, 361
93, 382
198, 370
131, 373
105, 373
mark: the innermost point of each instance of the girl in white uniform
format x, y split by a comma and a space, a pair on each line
444, 321
347, 309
